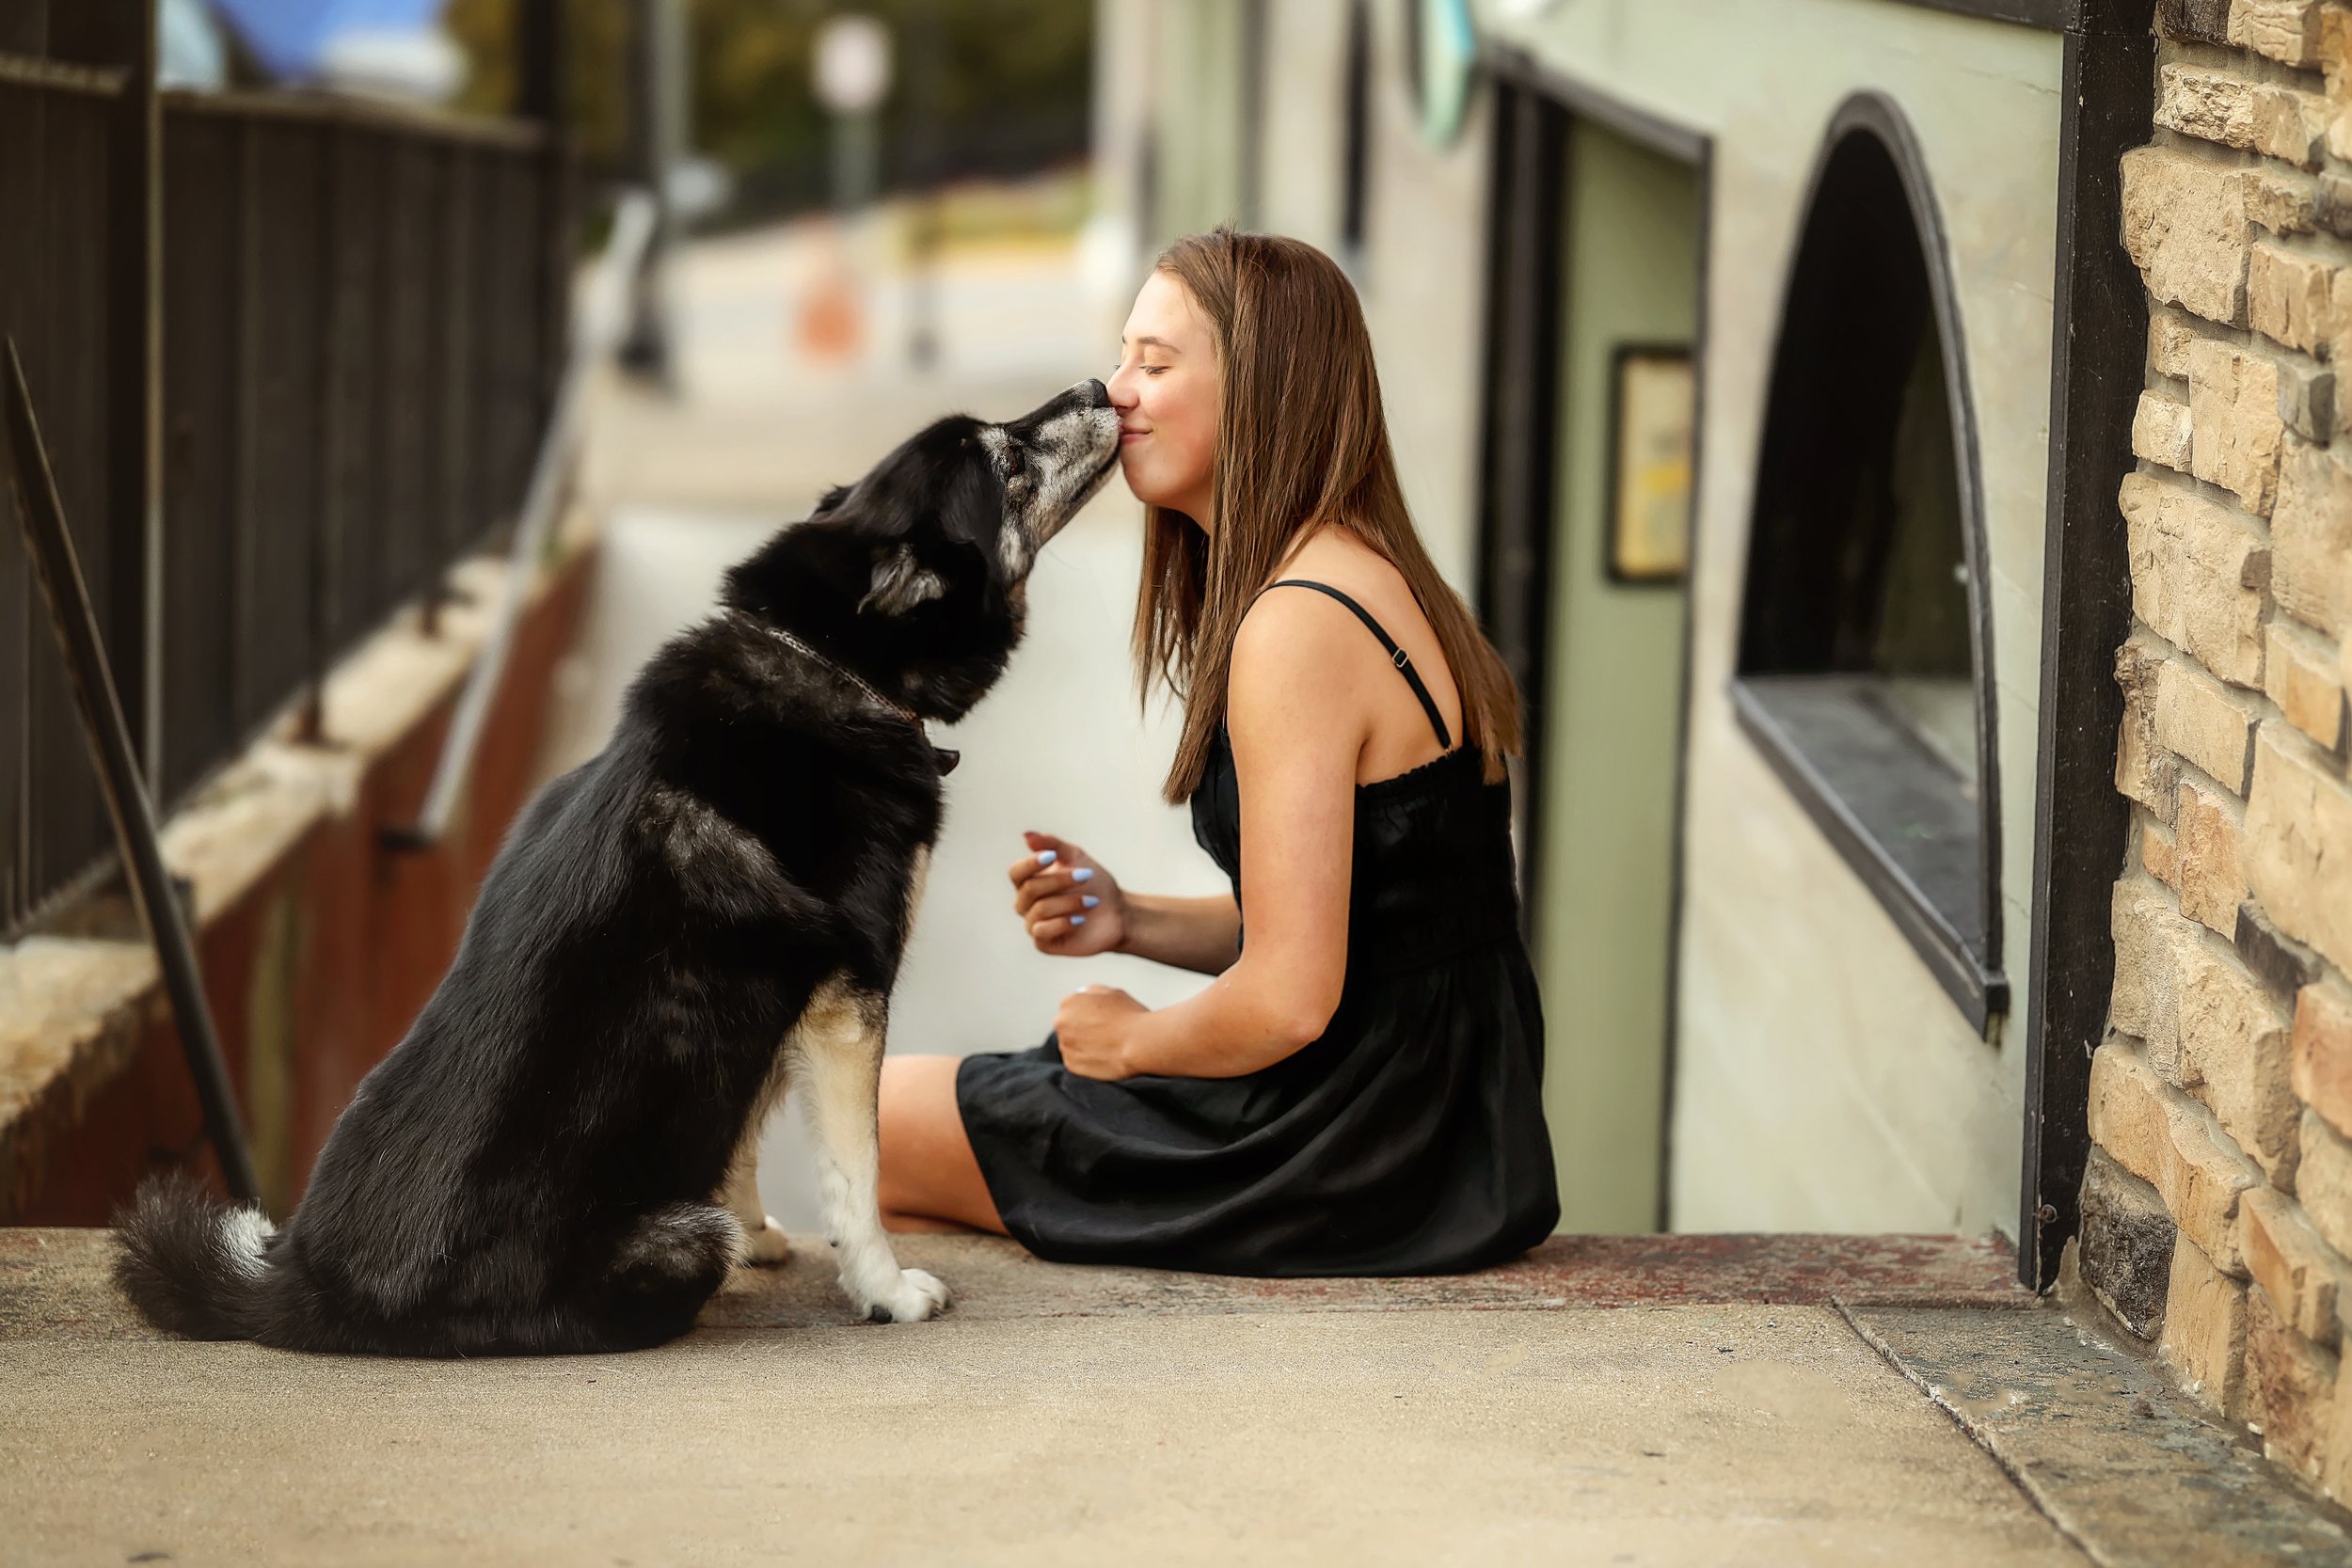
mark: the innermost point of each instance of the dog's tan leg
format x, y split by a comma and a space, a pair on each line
836, 1066
764, 1239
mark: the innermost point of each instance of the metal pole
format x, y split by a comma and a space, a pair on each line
645, 353
539, 60
543, 96
122, 33
926, 48
323, 569
59, 572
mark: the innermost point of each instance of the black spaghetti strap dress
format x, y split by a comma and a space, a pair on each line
1408, 1139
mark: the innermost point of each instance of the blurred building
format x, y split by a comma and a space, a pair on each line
1770, 376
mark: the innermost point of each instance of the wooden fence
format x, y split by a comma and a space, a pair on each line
292, 356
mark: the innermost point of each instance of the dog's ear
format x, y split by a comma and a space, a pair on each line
900, 583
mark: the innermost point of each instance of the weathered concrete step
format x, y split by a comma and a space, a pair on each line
52, 1283
2104, 1446
993, 1279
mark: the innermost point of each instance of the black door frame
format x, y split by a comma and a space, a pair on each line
1519, 377
1535, 111
2098, 340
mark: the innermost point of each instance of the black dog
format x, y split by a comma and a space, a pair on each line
710, 911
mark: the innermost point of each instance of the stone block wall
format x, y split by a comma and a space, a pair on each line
2218, 1208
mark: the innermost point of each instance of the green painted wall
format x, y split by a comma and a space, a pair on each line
1604, 892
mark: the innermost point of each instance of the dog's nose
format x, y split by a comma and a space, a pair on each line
1093, 393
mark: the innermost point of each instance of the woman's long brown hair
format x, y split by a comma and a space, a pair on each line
1300, 442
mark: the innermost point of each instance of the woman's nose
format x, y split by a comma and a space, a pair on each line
1121, 389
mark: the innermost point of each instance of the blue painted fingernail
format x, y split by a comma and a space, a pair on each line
1077, 920
1047, 856
1089, 901
1084, 872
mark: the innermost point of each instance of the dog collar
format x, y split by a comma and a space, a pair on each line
945, 759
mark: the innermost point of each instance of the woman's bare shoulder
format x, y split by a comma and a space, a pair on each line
1287, 630
1337, 558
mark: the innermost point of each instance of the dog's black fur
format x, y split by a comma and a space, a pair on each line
714, 904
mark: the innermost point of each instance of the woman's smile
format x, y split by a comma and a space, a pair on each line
1167, 375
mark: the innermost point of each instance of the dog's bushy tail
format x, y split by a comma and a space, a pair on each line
190, 1263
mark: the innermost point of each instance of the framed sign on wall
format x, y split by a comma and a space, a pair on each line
1652, 410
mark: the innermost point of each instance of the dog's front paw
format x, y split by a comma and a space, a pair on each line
766, 1243
916, 1296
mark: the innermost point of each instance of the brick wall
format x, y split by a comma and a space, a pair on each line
2217, 1210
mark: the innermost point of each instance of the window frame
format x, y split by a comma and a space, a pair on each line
1967, 964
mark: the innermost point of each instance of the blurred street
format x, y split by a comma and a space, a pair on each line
756, 431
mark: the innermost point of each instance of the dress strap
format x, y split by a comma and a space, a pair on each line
1397, 655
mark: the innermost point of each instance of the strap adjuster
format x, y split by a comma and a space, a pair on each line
1401, 658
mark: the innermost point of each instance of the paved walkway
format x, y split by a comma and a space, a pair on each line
1654, 1401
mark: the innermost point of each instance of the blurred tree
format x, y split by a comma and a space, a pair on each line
1014, 90
595, 35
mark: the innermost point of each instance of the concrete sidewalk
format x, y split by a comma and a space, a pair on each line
1654, 1400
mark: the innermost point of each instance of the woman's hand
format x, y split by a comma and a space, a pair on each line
1092, 1026
1072, 907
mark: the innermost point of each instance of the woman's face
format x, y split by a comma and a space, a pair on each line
1165, 391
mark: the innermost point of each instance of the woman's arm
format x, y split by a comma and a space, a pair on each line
1296, 746
1198, 934
1074, 909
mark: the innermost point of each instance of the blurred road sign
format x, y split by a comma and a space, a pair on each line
852, 64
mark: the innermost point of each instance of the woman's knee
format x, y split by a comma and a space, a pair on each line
927, 1168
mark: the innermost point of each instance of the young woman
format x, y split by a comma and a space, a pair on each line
1357, 1089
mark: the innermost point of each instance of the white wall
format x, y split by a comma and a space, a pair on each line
1823, 1080
1424, 298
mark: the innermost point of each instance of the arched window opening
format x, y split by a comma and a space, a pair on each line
1862, 667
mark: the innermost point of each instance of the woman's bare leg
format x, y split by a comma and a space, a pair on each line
930, 1179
